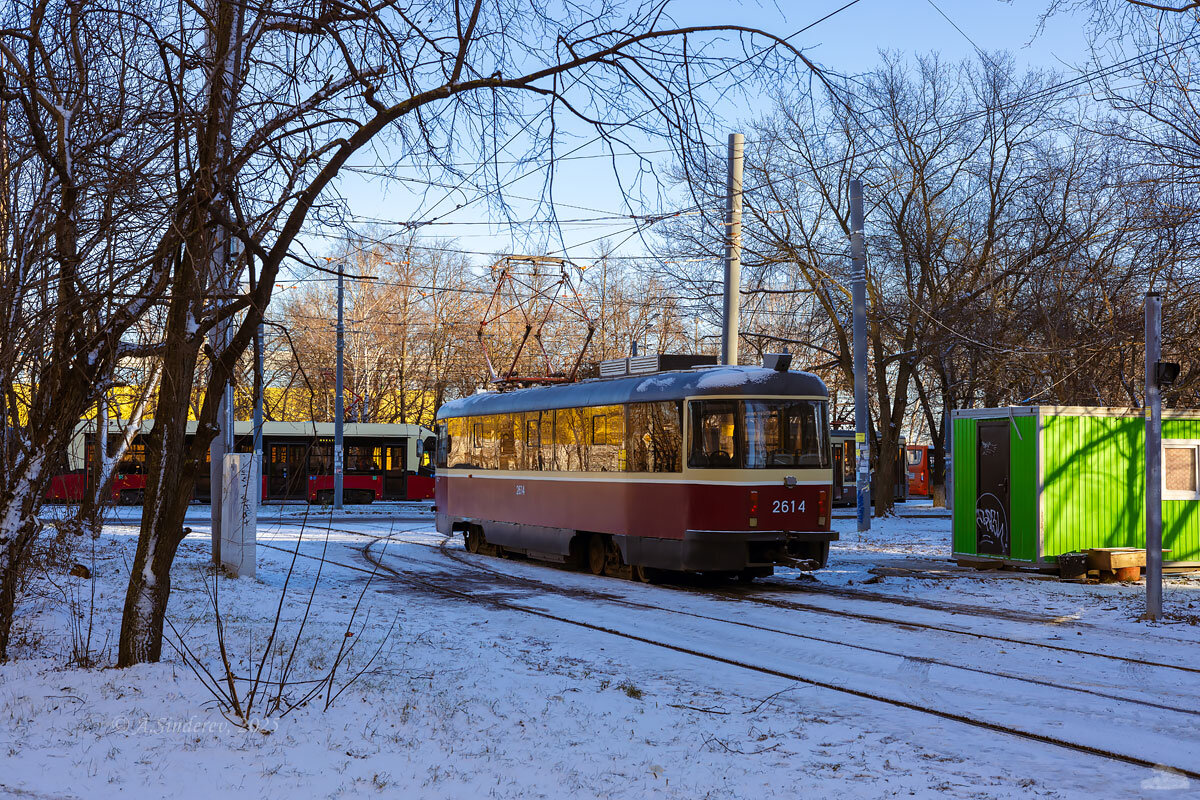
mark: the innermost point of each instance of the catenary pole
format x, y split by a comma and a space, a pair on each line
258, 404
733, 250
222, 443
1153, 458
338, 410
227, 404
862, 414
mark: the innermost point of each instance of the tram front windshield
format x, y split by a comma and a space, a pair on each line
758, 434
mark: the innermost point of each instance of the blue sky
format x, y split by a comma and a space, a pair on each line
847, 43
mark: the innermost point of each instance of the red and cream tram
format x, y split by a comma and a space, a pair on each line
715, 470
382, 461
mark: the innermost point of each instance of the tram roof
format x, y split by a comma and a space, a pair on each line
648, 388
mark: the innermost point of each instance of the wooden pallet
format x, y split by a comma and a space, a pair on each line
1123, 563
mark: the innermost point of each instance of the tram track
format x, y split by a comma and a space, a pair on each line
744, 595
542, 586
842, 592
378, 565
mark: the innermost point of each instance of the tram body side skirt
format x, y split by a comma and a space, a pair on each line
697, 551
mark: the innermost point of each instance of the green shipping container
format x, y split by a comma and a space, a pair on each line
1032, 482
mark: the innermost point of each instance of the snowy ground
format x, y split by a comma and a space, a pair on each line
483, 677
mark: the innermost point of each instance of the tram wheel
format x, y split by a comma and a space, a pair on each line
646, 574
614, 566
577, 552
597, 553
473, 539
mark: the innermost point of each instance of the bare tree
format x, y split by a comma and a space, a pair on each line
1007, 247
77, 176
1144, 63
271, 100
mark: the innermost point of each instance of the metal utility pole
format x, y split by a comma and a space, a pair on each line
862, 414
258, 404
222, 443
733, 250
1153, 458
339, 412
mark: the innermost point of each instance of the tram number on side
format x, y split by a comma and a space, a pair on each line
787, 506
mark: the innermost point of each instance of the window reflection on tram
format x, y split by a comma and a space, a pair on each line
758, 434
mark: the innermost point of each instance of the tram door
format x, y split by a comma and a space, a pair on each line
288, 471
993, 534
838, 479
394, 487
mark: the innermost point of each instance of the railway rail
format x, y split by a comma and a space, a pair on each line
746, 594
378, 565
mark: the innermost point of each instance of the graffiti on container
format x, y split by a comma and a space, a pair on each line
988, 447
991, 523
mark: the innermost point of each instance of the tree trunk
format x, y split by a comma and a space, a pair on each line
11, 569
170, 480
885, 471
150, 581
888, 464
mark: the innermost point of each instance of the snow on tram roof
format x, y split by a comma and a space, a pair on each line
674, 385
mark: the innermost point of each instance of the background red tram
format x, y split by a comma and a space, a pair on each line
381, 462
918, 471
720, 469
845, 482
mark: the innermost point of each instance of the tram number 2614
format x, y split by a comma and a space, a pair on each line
787, 506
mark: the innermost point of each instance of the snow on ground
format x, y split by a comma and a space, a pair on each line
464, 699
909, 557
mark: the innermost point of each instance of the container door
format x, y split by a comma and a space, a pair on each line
993, 536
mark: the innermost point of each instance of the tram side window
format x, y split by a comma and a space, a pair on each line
571, 436
607, 450
508, 435
654, 437
134, 461
714, 434
531, 444
546, 457
320, 458
443, 446
462, 450
489, 452
363, 458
